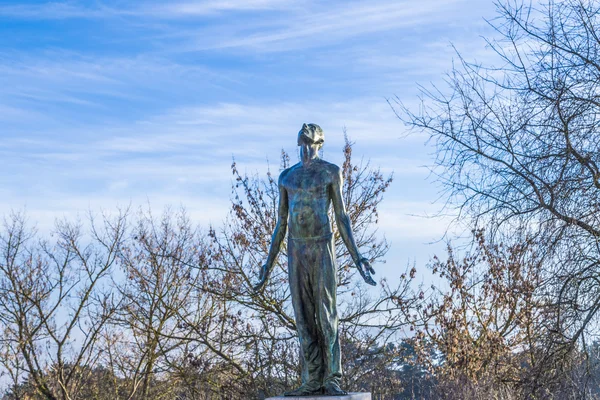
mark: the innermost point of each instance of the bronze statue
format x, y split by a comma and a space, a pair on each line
306, 191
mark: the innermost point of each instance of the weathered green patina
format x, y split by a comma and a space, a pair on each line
306, 191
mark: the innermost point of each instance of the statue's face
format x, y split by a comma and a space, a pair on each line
308, 148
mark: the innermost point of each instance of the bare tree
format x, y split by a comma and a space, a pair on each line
54, 302
146, 338
518, 147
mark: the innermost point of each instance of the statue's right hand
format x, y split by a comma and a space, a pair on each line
262, 278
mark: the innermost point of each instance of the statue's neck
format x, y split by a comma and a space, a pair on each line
306, 161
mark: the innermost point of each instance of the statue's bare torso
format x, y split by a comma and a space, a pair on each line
308, 190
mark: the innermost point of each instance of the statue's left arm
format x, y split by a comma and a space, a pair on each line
278, 236
345, 228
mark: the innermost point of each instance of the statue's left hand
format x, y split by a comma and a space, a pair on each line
365, 269
262, 278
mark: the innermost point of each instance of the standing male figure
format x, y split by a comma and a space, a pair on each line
306, 191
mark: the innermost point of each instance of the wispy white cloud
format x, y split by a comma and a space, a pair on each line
413, 220
9, 113
223, 130
43, 211
155, 10
235, 126
319, 26
210, 7
72, 69
54, 10
296, 24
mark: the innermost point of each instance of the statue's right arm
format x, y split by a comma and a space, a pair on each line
281, 227
277, 238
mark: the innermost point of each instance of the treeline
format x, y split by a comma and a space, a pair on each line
131, 305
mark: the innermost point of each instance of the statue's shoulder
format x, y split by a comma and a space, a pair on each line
286, 172
332, 168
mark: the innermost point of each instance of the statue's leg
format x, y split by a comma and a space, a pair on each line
326, 312
304, 312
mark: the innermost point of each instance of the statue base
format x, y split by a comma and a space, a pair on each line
349, 396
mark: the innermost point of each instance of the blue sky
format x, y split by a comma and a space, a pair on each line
107, 103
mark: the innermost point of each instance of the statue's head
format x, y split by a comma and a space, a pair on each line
311, 134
